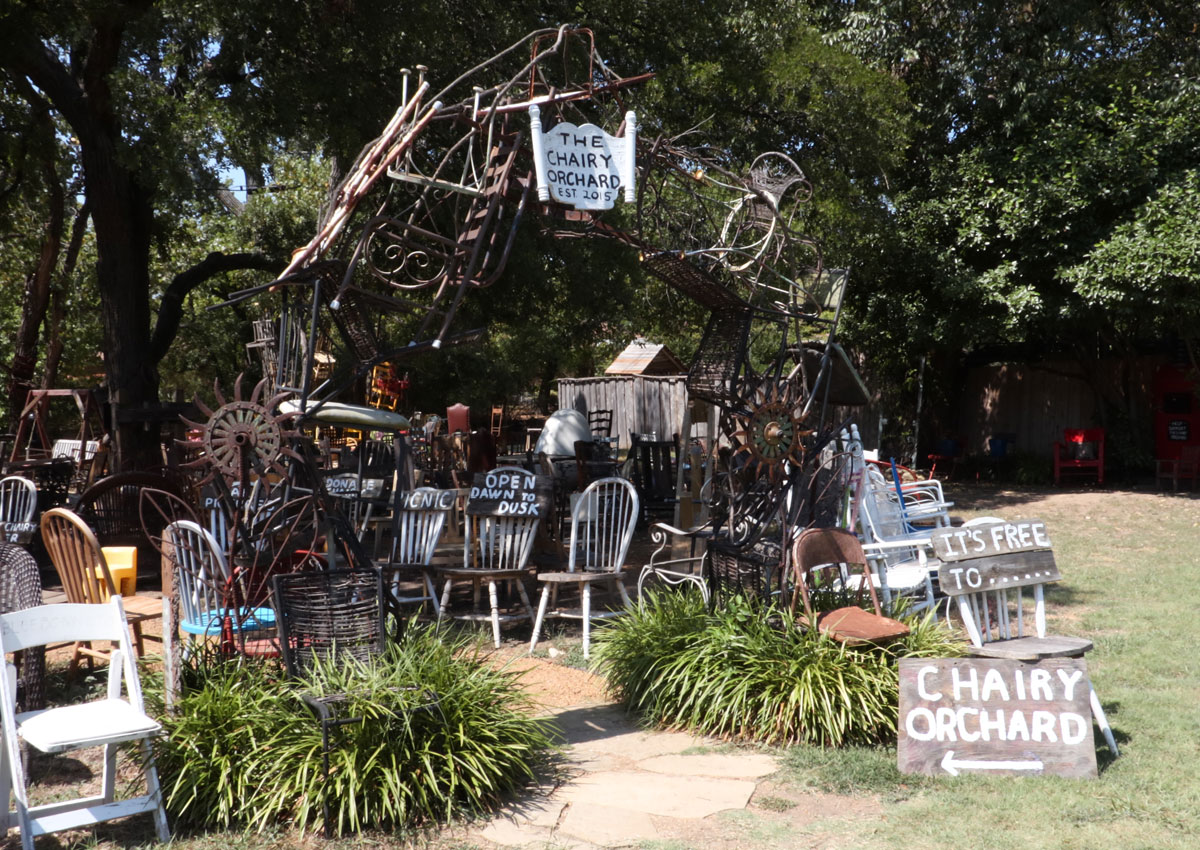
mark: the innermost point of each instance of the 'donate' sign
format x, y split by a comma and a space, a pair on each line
995, 716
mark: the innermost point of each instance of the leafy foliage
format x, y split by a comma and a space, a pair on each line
737, 673
242, 749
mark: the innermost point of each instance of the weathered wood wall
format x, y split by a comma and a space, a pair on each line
1030, 404
639, 403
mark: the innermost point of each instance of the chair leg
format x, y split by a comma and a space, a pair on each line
13, 768
432, 591
155, 791
623, 592
109, 782
445, 598
1102, 721
492, 598
587, 617
541, 614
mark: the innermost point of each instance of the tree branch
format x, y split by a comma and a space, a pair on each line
170, 312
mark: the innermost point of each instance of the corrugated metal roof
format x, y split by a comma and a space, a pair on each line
646, 358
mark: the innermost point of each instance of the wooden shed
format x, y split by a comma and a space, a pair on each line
640, 403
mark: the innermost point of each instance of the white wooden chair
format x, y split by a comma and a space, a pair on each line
1004, 611
107, 722
208, 597
496, 547
418, 523
602, 523
18, 504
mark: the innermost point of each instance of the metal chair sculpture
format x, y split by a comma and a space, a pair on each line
106, 722
18, 504
86, 579
602, 523
21, 588
211, 600
497, 544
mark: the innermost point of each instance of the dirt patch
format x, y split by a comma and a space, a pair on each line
550, 683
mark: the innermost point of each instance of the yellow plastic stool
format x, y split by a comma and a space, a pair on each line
122, 565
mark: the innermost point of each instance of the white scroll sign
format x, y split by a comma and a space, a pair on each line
584, 167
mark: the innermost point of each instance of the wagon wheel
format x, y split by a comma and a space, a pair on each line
242, 438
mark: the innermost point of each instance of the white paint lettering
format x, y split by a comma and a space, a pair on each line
1039, 535
924, 692
1074, 727
960, 684
963, 734
993, 682
1018, 730
1043, 727
1069, 680
1039, 685
925, 715
989, 724
947, 721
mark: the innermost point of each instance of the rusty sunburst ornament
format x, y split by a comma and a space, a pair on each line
771, 432
242, 437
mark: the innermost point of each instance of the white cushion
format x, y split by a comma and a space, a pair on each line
92, 724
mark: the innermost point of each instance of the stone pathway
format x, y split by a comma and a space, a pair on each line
625, 785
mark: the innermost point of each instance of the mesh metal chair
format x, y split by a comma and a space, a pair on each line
21, 588
336, 614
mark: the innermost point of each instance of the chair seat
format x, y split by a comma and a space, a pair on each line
1033, 648
139, 608
70, 727
854, 626
212, 626
471, 572
579, 577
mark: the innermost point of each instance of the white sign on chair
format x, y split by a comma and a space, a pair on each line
583, 167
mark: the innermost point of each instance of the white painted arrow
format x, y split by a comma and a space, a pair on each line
951, 765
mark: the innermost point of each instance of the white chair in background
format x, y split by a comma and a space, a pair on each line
108, 722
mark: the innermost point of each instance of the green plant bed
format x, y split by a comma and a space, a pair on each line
744, 672
242, 750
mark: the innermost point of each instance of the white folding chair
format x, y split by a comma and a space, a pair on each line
106, 722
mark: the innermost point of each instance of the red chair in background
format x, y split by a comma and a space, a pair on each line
1080, 452
458, 419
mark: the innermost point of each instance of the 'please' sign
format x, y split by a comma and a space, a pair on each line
995, 716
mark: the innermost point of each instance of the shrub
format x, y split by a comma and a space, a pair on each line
243, 750
744, 672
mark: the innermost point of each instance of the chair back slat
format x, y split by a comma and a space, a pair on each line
18, 499
77, 557
201, 572
418, 523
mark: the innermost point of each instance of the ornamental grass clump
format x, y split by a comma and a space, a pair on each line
442, 734
743, 672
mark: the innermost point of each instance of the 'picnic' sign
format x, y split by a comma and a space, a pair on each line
995, 716
583, 167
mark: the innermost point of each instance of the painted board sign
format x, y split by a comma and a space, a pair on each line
1177, 429
995, 716
995, 538
584, 167
510, 493
18, 532
994, 556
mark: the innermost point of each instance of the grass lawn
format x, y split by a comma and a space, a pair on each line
1129, 559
